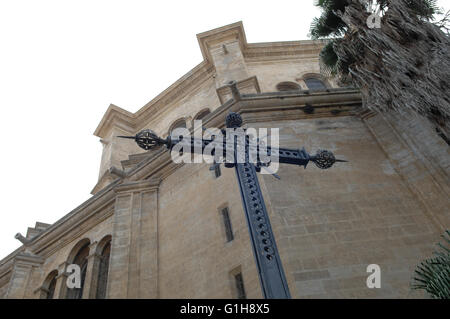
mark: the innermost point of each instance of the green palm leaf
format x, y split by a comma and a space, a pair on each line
433, 274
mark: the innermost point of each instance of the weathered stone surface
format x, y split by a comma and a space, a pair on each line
387, 206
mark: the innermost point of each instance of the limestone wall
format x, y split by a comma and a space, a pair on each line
34, 275
195, 260
330, 225
387, 206
169, 239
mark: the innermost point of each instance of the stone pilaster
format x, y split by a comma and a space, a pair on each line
24, 265
90, 282
41, 292
61, 282
224, 47
423, 166
133, 266
229, 62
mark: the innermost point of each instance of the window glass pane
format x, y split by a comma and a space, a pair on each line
240, 286
51, 288
103, 272
81, 260
227, 224
315, 84
217, 171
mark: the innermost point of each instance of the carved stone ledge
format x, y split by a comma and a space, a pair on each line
365, 113
107, 178
247, 86
27, 259
138, 186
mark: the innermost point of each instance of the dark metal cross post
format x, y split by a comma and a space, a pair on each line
270, 269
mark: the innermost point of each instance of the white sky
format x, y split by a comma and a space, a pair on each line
63, 62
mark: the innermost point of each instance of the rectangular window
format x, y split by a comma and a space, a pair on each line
217, 171
240, 286
227, 224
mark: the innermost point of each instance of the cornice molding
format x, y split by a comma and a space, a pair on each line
194, 79
25, 259
106, 179
263, 107
65, 238
148, 174
215, 37
224, 92
270, 51
7, 262
115, 115
131, 122
62, 232
110, 175
366, 113
138, 186
5, 274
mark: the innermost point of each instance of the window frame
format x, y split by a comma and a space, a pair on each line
295, 86
227, 225
318, 77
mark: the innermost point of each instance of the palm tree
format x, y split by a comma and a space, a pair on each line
433, 274
404, 65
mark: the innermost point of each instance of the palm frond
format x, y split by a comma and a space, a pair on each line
433, 274
328, 24
425, 9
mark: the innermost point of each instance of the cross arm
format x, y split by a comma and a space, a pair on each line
323, 159
147, 140
290, 156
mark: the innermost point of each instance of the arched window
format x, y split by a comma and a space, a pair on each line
48, 288
102, 281
181, 123
287, 86
200, 115
80, 259
315, 84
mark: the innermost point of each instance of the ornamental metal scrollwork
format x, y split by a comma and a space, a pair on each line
147, 139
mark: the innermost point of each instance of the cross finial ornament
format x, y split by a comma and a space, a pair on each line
233, 120
147, 139
324, 159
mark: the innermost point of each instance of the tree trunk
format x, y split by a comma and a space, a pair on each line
402, 66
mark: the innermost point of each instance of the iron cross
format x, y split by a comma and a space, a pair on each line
270, 270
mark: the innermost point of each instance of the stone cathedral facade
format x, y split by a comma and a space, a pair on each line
156, 229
